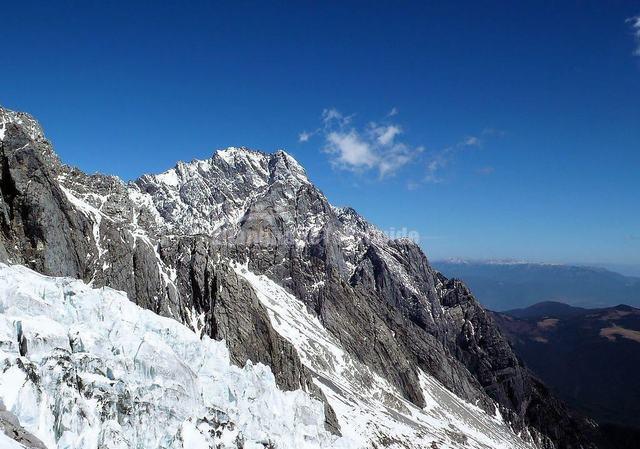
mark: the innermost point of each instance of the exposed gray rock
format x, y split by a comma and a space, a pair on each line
10, 426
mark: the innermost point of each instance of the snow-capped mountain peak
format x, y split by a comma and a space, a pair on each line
205, 196
269, 166
25, 121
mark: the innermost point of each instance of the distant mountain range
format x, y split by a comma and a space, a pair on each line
503, 286
591, 358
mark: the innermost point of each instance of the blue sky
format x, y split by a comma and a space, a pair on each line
493, 129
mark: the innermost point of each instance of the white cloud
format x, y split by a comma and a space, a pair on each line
472, 141
397, 157
385, 134
332, 117
304, 136
374, 147
635, 26
331, 114
437, 161
350, 150
394, 111
380, 147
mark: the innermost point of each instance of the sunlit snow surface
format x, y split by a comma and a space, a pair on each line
370, 410
101, 372
8, 443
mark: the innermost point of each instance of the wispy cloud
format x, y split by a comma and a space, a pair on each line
304, 136
488, 170
374, 147
493, 132
386, 134
380, 147
472, 141
413, 185
438, 160
635, 27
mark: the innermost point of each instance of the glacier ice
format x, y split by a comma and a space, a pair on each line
101, 373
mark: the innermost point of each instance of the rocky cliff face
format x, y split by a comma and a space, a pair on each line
173, 242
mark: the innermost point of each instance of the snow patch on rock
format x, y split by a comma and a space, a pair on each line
28, 123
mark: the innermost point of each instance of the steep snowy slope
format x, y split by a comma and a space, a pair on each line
371, 409
85, 368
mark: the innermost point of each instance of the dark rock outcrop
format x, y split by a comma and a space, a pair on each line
10, 426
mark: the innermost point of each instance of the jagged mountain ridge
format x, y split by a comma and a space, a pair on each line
169, 241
